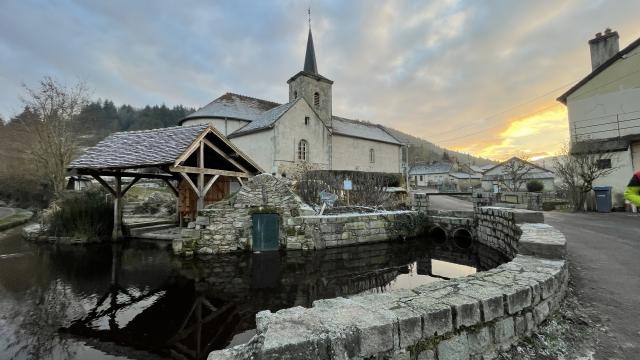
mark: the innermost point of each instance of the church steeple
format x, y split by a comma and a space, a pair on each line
310, 65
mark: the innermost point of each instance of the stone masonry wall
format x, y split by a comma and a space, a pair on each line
466, 318
319, 232
226, 226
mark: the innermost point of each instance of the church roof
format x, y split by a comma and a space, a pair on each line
264, 120
361, 129
310, 64
233, 106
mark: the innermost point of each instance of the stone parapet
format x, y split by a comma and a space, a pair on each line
472, 317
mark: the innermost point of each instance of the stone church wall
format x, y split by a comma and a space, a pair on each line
353, 154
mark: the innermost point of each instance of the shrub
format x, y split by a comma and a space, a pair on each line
535, 186
368, 187
86, 215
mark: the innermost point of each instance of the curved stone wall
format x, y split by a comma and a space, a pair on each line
466, 318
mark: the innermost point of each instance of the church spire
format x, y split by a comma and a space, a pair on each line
310, 65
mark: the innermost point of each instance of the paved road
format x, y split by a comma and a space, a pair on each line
443, 202
604, 254
5, 211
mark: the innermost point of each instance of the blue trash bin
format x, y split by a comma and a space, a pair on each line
603, 198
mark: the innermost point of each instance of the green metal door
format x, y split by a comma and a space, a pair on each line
266, 231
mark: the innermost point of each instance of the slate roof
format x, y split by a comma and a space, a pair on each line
131, 149
461, 175
620, 54
363, 130
426, 169
310, 64
264, 120
233, 106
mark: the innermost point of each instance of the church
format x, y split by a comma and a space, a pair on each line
302, 133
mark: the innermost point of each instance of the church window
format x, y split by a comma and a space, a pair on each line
295, 94
372, 155
316, 99
303, 150
306, 120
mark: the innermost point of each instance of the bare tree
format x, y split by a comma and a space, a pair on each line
514, 173
579, 169
54, 143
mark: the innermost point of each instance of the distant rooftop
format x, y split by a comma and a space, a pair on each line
427, 169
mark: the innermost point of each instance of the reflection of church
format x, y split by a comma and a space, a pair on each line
193, 307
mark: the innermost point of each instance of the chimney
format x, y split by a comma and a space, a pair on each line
603, 47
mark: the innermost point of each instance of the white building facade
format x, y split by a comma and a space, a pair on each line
604, 109
302, 133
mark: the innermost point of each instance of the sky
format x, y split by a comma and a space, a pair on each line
474, 76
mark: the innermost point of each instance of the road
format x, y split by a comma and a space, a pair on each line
604, 255
5, 211
444, 202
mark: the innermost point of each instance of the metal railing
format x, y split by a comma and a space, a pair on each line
620, 125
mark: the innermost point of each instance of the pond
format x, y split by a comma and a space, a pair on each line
137, 301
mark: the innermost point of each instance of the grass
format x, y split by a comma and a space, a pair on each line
20, 217
87, 215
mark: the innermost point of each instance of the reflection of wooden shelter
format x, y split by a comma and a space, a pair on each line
197, 162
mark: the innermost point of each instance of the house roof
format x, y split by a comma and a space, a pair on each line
563, 98
521, 160
435, 168
264, 120
131, 149
233, 106
461, 175
362, 129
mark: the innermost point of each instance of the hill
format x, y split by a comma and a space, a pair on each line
421, 150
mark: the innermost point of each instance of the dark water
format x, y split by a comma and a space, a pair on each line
137, 301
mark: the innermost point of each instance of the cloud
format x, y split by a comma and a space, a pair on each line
440, 70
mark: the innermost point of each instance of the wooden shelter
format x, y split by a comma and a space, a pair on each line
197, 163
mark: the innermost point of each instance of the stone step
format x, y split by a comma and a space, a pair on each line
141, 230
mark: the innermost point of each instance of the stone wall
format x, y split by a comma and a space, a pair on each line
466, 318
319, 232
226, 226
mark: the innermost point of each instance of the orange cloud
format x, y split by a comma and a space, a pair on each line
537, 135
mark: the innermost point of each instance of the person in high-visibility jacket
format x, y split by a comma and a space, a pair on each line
632, 193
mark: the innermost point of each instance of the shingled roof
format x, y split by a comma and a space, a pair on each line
133, 149
361, 129
265, 120
233, 106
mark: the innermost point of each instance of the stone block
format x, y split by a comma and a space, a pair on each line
543, 241
479, 340
521, 216
455, 348
503, 331
202, 220
466, 310
541, 312
517, 297
437, 318
409, 325
426, 355
491, 299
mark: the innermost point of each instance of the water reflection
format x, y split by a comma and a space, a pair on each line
119, 298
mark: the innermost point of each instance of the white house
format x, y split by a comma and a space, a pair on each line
604, 109
303, 132
430, 174
498, 178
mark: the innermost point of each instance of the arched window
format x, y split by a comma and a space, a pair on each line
295, 94
316, 99
372, 155
303, 150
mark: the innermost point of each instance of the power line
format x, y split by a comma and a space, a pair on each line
541, 110
510, 108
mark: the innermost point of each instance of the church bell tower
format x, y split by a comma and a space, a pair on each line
310, 85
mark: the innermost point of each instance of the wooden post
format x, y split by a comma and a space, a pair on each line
200, 193
117, 210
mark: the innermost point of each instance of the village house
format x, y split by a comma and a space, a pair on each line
604, 110
303, 132
500, 177
444, 176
